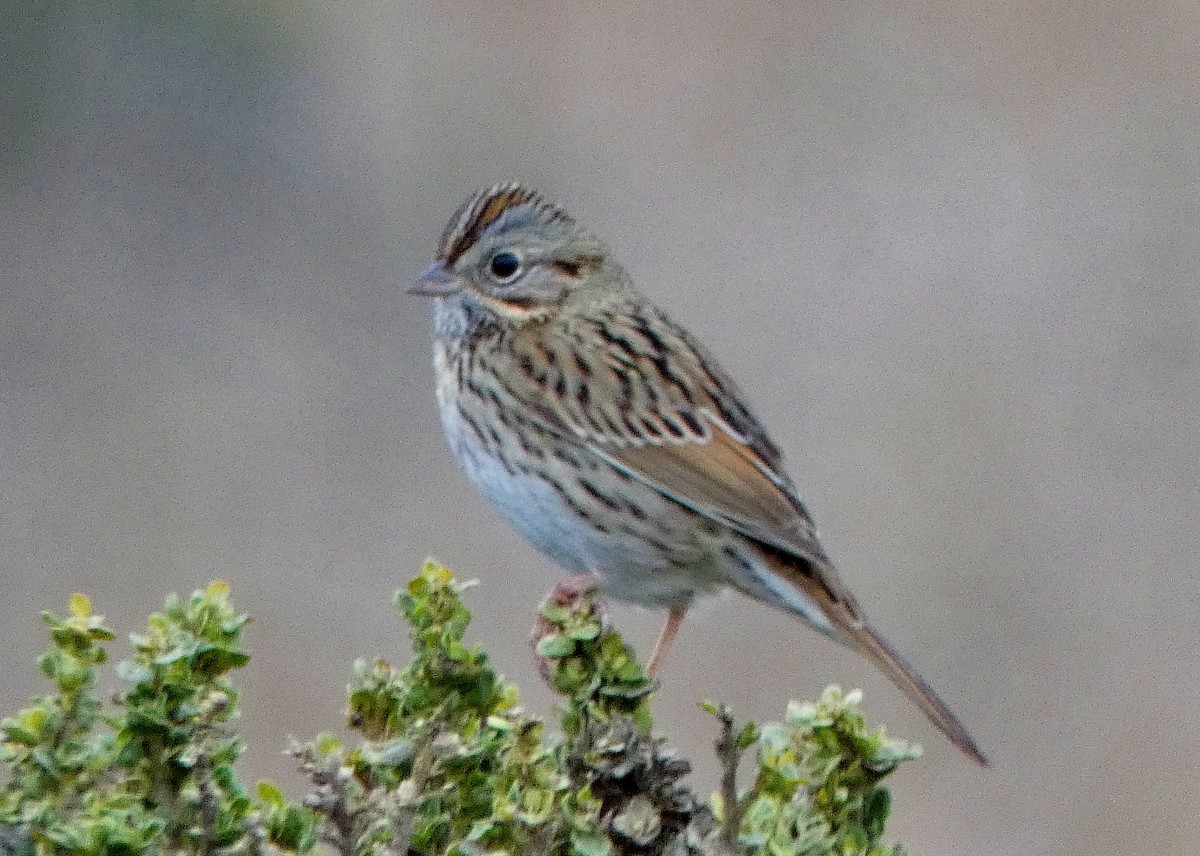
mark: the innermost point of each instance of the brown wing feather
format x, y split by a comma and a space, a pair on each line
645, 396
723, 479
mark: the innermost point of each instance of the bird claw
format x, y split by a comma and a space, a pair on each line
577, 592
568, 591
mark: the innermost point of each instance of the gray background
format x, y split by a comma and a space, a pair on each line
949, 248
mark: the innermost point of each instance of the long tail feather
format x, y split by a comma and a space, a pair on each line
877, 649
811, 588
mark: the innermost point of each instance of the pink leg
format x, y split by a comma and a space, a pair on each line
674, 619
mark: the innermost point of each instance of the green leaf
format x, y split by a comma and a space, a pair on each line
326, 743
80, 605
292, 827
585, 632
135, 673
479, 829
17, 731
876, 811
590, 844
394, 753
747, 736
270, 793
555, 613
555, 646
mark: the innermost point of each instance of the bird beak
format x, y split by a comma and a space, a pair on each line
436, 281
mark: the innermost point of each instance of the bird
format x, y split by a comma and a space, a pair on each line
611, 438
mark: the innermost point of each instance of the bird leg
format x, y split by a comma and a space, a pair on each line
674, 619
574, 592
571, 589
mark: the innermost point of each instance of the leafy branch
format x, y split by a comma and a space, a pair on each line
446, 762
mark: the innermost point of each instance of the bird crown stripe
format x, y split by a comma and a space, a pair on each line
485, 208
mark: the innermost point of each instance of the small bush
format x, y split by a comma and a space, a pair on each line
446, 761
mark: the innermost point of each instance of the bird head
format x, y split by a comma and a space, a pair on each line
512, 256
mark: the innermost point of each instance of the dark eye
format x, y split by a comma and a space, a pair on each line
505, 266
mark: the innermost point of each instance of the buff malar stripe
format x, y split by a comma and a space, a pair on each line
486, 207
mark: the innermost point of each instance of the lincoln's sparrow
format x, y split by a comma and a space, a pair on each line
611, 438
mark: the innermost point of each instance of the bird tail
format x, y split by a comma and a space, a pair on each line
865, 640
811, 588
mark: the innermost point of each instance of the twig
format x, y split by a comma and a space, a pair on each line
729, 754
210, 804
404, 824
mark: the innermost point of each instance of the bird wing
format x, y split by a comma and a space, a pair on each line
641, 393
723, 478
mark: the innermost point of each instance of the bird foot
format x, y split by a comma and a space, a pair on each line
576, 592
567, 591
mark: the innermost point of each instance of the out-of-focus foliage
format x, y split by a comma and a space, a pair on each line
155, 774
447, 762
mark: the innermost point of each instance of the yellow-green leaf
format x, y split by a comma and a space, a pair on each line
80, 605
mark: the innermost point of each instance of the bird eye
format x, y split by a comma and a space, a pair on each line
505, 266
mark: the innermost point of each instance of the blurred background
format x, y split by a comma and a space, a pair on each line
948, 248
